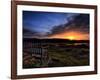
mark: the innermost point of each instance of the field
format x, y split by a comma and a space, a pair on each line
39, 53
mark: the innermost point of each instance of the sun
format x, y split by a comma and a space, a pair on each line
70, 37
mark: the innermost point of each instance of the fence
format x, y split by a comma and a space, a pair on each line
37, 49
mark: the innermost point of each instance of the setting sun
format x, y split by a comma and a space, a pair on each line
70, 37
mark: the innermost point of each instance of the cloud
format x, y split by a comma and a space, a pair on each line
28, 33
80, 23
77, 23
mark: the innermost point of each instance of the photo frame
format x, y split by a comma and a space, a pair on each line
80, 39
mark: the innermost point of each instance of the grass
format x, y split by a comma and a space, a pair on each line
62, 56
71, 58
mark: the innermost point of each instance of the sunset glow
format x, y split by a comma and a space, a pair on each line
72, 35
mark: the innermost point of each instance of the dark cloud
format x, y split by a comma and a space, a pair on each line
29, 33
79, 23
32, 33
82, 19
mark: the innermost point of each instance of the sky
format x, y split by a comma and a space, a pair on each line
55, 25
